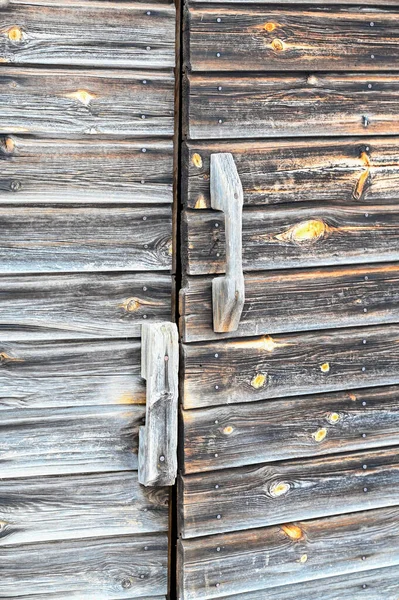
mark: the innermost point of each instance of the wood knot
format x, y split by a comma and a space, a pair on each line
7, 145
269, 27
200, 202
303, 559
305, 232
130, 304
278, 45
258, 381
6, 358
293, 531
320, 434
228, 430
325, 367
279, 489
15, 34
333, 418
82, 96
197, 160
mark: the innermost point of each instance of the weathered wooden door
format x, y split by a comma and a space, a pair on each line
86, 190
290, 423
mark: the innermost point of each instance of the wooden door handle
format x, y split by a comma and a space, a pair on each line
228, 292
158, 438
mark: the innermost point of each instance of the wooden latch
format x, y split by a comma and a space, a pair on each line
158, 438
228, 292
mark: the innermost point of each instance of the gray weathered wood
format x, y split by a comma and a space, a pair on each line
99, 171
159, 437
38, 509
62, 374
88, 33
244, 370
300, 300
228, 292
264, 495
65, 239
4, 3
69, 440
106, 569
310, 426
290, 105
303, 235
288, 554
303, 2
73, 103
90, 305
340, 171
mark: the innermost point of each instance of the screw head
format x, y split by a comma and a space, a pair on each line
126, 584
162, 459
219, 20
218, 54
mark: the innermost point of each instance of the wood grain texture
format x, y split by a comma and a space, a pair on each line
66, 239
378, 584
290, 105
102, 171
294, 236
233, 371
39, 509
69, 440
341, 171
302, 2
310, 426
288, 554
105, 569
82, 33
104, 305
73, 103
260, 38
300, 300
36, 375
264, 495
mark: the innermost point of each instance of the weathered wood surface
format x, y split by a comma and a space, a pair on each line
66, 239
86, 103
158, 438
300, 300
105, 569
88, 33
232, 371
341, 171
90, 305
378, 584
263, 39
288, 237
310, 426
102, 171
264, 495
288, 554
35, 375
69, 440
301, 2
228, 292
227, 106
38, 509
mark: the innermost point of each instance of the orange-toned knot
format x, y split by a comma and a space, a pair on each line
278, 45
292, 531
15, 34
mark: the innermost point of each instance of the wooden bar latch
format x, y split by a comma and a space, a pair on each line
228, 292
158, 438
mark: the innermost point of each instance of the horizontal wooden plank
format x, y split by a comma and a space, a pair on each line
102, 171
227, 106
88, 33
52, 375
69, 440
301, 2
112, 305
40, 509
105, 569
310, 426
66, 239
264, 495
341, 171
288, 237
78, 596
378, 584
317, 39
233, 371
287, 554
300, 300
86, 103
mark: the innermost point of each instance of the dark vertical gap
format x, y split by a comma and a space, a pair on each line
173, 531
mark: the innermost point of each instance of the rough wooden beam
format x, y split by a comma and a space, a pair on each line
158, 439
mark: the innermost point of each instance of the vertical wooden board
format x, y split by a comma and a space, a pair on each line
39, 509
317, 425
342, 171
73, 33
288, 554
263, 495
105, 569
54, 103
99, 171
234, 371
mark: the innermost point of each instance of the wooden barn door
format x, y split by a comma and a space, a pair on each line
290, 423
86, 189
